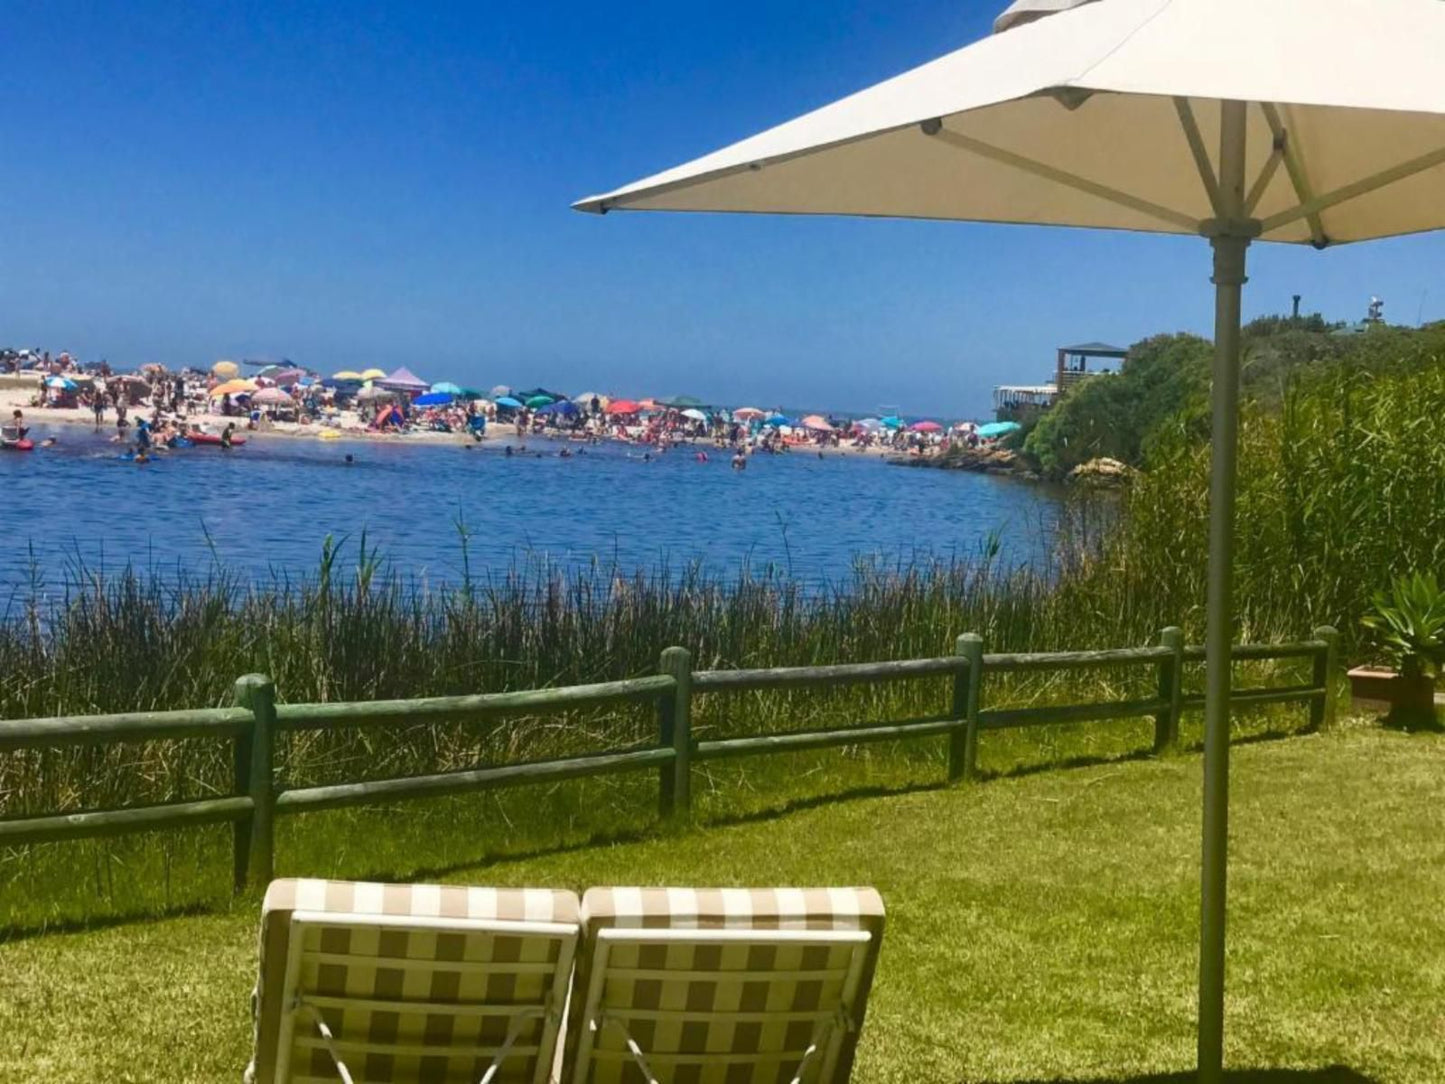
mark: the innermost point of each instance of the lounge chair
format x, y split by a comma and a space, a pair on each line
371, 982
721, 986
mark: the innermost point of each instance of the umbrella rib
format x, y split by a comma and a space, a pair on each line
1059, 176
1261, 183
1294, 166
1355, 189
1200, 152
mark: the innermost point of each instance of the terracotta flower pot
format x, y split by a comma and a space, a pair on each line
1407, 698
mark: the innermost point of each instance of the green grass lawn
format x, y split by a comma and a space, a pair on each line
1042, 928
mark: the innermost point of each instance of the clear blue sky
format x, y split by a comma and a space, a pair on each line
371, 183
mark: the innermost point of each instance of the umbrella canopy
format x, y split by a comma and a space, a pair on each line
1232, 120
347, 376
587, 396
225, 369
695, 414
434, 398
472, 393
748, 413
818, 423
779, 420
372, 392
501, 391
997, 429
233, 387
683, 402
403, 379
508, 402
446, 387
373, 374
868, 425
624, 406
272, 397
891, 422
539, 400
537, 393
926, 427
563, 408
60, 383
287, 377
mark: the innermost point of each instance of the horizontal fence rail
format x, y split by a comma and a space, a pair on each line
253, 724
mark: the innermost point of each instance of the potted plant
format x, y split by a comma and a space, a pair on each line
1407, 626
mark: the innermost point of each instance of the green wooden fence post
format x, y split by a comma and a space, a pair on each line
963, 743
255, 837
1327, 662
1171, 689
675, 731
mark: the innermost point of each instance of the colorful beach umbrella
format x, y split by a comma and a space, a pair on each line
539, 400
997, 429
817, 423
926, 427
434, 398
347, 376
623, 406
446, 387
233, 387
373, 374
891, 422
780, 420
272, 397
507, 402
60, 383
225, 369
749, 413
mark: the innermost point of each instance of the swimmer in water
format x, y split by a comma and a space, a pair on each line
509, 449
740, 460
350, 458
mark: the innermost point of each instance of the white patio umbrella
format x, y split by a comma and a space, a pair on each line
1306, 121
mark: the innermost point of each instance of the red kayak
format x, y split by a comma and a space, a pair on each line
213, 439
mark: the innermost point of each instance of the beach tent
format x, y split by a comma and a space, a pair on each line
1315, 122
389, 417
434, 398
403, 379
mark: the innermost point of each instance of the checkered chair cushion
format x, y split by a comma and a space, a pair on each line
753, 1025
372, 957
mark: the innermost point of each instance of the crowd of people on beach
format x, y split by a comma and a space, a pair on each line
156, 407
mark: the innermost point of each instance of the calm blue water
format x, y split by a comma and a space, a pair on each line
267, 508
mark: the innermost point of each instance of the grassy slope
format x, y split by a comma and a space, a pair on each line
1042, 927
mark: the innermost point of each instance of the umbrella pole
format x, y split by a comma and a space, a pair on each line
1230, 242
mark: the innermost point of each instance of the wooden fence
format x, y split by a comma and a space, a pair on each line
252, 726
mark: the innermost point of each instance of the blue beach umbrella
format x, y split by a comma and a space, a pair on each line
779, 420
508, 402
892, 422
446, 387
433, 398
998, 429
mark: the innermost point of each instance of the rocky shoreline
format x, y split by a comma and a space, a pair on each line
1104, 473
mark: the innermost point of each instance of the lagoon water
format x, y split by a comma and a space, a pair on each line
266, 508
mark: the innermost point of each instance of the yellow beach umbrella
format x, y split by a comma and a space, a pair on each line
225, 369
347, 374
373, 374
233, 387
